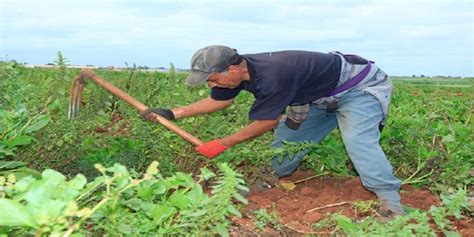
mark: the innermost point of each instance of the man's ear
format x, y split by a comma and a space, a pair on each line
233, 68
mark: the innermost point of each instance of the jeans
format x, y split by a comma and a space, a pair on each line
358, 116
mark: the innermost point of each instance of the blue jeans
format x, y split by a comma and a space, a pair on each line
358, 116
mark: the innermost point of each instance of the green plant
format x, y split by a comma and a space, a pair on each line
263, 218
17, 128
428, 138
62, 63
415, 222
119, 203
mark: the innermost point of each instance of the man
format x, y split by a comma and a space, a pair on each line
318, 91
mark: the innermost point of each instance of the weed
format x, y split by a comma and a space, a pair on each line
415, 222
119, 203
263, 218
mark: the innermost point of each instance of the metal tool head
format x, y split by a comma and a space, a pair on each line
75, 97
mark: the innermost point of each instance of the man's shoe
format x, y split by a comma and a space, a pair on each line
388, 211
267, 180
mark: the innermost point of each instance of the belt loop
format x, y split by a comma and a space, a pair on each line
331, 107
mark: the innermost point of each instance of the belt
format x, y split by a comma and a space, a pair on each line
353, 81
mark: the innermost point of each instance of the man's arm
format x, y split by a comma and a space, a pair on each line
252, 130
201, 107
215, 147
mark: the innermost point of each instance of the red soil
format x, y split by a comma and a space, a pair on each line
292, 207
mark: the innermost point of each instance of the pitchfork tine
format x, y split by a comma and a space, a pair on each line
80, 89
72, 98
75, 97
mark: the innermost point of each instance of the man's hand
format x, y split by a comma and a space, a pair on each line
87, 73
211, 149
165, 113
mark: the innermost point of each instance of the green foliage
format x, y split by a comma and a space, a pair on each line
263, 218
119, 203
428, 138
11, 91
415, 222
429, 134
327, 156
16, 128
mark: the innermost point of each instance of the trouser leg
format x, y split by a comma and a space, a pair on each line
358, 118
316, 126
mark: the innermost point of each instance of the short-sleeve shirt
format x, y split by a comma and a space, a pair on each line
279, 79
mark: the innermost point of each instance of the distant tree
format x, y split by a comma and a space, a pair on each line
422, 75
413, 75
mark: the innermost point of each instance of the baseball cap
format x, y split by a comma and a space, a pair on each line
214, 58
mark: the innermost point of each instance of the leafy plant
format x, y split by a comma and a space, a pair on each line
263, 218
16, 129
119, 203
62, 63
415, 222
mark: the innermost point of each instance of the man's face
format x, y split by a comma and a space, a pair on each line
229, 79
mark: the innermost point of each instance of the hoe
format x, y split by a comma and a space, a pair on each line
75, 100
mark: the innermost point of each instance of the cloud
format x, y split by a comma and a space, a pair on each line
156, 33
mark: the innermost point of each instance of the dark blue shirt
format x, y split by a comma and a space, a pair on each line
279, 79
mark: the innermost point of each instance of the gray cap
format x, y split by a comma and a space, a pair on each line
214, 58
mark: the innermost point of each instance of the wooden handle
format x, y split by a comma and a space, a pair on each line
87, 73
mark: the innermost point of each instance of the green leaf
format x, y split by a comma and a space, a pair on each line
78, 182
145, 193
346, 224
232, 210
11, 164
159, 188
221, 230
194, 213
134, 204
451, 233
179, 200
207, 174
14, 214
125, 229
243, 188
163, 212
53, 176
240, 198
19, 141
40, 122
55, 105
23, 184
449, 138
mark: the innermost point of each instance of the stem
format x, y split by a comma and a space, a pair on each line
326, 206
98, 205
38, 233
417, 180
311, 177
468, 120
79, 222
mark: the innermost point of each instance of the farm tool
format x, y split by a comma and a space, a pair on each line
75, 101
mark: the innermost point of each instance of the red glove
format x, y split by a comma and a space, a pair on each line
211, 149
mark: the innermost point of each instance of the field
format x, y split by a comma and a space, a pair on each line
108, 171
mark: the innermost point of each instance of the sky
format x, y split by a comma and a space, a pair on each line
405, 37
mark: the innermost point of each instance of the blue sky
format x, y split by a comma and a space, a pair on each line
404, 37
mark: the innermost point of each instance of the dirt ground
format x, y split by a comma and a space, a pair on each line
294, 208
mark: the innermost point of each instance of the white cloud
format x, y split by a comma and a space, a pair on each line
161, 32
